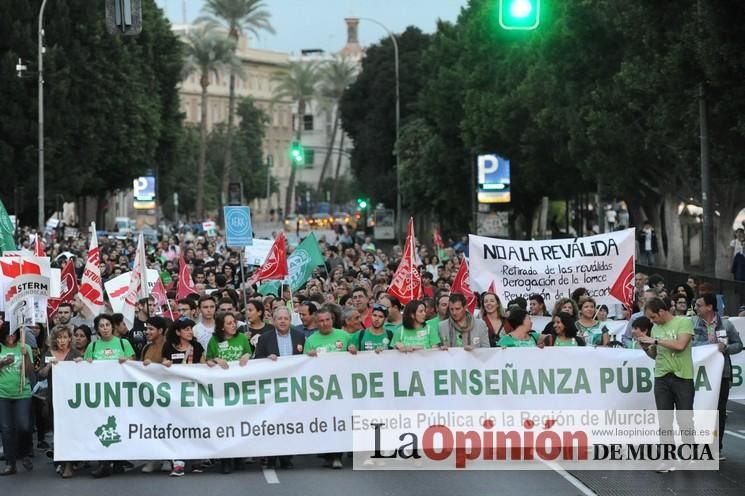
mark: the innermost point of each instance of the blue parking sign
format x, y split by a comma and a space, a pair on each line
238, 229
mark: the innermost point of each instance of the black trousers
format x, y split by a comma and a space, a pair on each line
674, 399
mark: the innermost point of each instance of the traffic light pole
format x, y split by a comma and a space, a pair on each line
40, 217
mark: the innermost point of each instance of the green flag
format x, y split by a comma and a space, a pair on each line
270, 287
303, 261
6, 231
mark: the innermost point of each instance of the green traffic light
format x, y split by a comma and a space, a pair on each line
363, 204
297, 154
519, 14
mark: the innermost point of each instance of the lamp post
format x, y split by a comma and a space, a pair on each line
40, 217
398, 126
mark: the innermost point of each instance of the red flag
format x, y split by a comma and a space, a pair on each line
185, 284
159, 294
69, 283
462, 285
275, 265
138, 287
492, 287
91, 289
623, 288
407, 282
438, 239
39, 247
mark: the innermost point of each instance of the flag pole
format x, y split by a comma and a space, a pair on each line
243, 280
22, 332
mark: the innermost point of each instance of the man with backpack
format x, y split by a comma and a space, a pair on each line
376, 337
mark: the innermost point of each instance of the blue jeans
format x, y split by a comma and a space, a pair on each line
15, 427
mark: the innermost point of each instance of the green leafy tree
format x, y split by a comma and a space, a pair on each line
240, 17
300, 83
368, 110
208, 52
111, 102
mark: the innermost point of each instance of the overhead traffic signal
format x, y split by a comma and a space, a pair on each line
124, 17
362, 203
519, 14
297, 153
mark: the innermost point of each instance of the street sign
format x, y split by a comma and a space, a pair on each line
238, 229
493, 178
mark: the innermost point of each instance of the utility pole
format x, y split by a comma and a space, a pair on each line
40, 33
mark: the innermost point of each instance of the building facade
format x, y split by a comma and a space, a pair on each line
259, 67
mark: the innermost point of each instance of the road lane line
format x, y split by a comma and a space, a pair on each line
271, 476
741, 436
571, 479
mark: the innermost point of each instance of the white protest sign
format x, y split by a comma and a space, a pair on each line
117, 288
554, 268
300, 404
256, 254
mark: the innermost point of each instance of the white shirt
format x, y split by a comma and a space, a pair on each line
203, 334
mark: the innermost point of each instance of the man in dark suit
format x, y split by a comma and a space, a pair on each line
282, 341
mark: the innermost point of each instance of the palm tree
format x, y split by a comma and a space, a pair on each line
300, 84
239, 17
207, 52
338, 75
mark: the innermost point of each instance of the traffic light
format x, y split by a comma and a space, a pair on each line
362, 203
519, 14
297, 153
124, 17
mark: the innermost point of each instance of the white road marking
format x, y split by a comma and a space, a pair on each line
271, 476
741, 436
571, 479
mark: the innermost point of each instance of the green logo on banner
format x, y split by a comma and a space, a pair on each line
107, 433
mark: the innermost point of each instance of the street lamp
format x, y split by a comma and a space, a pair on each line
40, 217
398, 126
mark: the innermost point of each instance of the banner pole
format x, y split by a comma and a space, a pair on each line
243, 280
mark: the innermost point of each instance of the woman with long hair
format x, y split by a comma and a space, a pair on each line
227, 345
81, 338
256, 324
492, 313
181, 347
522, 335
565, 330
15, 401
589, 328
60, 350
107, 347
415, 334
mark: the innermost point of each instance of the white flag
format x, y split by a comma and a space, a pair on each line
137, 284
91, 289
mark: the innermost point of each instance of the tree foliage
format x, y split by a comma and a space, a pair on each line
111, 103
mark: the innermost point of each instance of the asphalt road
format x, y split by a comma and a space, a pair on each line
309, 478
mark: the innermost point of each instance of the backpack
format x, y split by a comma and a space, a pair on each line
388, 333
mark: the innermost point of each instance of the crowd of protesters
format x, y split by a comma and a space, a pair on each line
344, 307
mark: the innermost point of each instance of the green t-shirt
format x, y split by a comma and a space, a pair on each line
113, 349
633, 345
10, 375
509, 341
370, 341
336, 340
562, 342
230, 350
679, 363
394, 328
433, 323
592, 335
425, 337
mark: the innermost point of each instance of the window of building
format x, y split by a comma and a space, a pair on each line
310, 158
308, 122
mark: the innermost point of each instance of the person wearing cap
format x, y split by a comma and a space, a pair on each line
182, 348
376, 337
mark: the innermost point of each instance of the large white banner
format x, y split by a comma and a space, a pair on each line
618, 327
554, 268
301, 404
